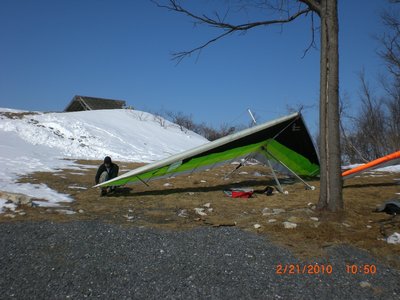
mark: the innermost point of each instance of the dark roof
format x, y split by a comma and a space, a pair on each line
79, 103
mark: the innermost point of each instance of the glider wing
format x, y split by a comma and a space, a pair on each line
284, 141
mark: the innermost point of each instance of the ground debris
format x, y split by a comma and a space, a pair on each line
289, 225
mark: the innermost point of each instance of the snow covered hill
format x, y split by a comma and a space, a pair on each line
35, 141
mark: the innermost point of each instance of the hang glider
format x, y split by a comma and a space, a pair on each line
284, 144
385, 161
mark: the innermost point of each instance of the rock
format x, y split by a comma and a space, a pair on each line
208, 205
369, 226
311, 205
314, 219
65, 211
289, 225
16, 198
203, 181
256, 226
167, 184
183, 213
272, 220
81, 211
277, 211
22, 213
365, 284
9, 216
200, 211
210, 210
266, 211
346, 225
190, 193
129, 217
394, 239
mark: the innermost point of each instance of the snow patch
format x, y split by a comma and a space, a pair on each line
49, 142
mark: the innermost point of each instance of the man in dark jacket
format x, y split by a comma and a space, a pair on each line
108, 170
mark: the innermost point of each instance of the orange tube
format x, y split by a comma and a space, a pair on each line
372, 164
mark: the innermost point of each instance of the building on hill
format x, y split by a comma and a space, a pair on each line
79, 103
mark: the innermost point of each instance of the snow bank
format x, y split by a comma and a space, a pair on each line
43, 141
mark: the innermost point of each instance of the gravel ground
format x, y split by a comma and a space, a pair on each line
90, 259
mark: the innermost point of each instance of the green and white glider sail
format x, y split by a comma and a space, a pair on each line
284, 142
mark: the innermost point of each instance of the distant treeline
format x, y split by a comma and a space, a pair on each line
185, 122
375, 130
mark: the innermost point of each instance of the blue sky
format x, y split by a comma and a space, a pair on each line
51, 50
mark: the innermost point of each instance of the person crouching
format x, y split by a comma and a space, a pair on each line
106, 171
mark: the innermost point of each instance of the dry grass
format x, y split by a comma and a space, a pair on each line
159, 206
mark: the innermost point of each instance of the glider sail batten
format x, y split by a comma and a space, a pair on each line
288, 135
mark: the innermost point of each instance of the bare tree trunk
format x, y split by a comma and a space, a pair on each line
331, 180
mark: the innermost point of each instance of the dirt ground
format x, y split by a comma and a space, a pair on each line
170, 204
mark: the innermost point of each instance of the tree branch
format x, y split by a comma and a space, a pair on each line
312, 42
217, 23
314, 5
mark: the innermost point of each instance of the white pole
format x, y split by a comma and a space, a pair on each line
251, 115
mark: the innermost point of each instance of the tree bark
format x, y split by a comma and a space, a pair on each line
331, 180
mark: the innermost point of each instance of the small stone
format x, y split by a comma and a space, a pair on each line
129, 217
394, 239
289, 225
272, 220
277, 211
167, 184
365, 284
9, 216
346, 225
266, 211
183, 213
200, 211
203, 181
256, 226
81, 211
208, 205
22, 213
210, 210
369, 226
314, 219
190, 193
309, 204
